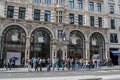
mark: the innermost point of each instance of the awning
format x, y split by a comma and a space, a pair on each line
115, 52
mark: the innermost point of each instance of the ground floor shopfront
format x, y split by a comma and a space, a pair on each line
24, 40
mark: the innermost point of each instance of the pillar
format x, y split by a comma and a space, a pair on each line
107, 53
86, 15
65, 51
87, 50
53, 52
29, 10
2, 8
1, 47
27, 50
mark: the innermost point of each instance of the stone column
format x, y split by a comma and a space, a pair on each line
107, 53
87, 50
27, 50
65, 52
86, 15
53, 50
2, 8
29, 11
0, 46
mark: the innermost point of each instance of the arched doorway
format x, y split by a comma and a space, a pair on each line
40, 43
59, 54
97, 46
76, 47
13, 42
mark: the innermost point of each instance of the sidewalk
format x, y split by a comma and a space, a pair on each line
104, 68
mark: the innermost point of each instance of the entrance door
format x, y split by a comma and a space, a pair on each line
76, 47
59, 54
40, 43
97, 45
13, 43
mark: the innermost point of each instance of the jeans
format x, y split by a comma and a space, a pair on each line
29, 68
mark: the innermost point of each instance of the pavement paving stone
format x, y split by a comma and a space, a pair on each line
88, 77
104, 68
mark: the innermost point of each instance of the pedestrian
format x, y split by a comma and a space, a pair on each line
29, 65
53, 63
9, 64
63, 64
40, 64
73, 64
68, 63
23, 62
48, 65
57, 64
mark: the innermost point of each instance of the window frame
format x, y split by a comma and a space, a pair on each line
112, 23
91, 6
47, 1
10, 11
100, 21
71, 3
99, 7
71, 18
92, 21
21, 14
59, 34
59, 16
59, 2
113, 38
36, 14
37, 1
112, 9
80, 4
47, 15
80, 19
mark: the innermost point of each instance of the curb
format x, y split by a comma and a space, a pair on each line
87, 70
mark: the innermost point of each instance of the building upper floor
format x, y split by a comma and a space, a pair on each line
109, 6
93, 13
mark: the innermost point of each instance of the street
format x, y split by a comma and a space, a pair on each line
60, 75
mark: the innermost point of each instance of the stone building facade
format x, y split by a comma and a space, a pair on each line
56, 28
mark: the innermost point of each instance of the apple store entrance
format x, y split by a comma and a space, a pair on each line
13, 42
40, 44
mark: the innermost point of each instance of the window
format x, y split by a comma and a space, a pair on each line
10, 11
59, 1
91, 6
59, 16
113, 38
91, 20
99, 21
99, 7
21, 13
71, 18
47, 1
112, 22
37, 1
80, 19
119, 1
60, 33
71, 3
80, 4
36, 14
47, 15
111, 9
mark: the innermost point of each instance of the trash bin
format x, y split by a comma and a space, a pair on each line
1, 63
